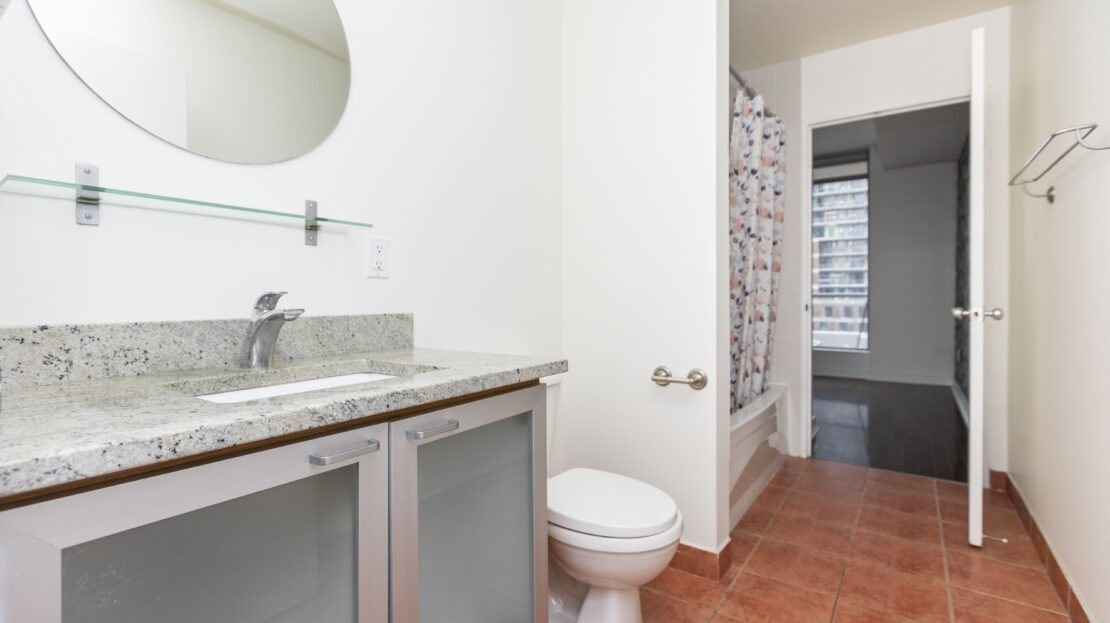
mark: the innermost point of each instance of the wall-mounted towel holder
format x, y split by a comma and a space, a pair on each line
1080, 132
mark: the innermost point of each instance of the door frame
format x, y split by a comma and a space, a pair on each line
805, 224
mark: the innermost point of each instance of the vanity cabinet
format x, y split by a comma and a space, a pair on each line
468, 512
439, 518
292, 534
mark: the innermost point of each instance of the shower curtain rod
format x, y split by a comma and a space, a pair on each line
767, 112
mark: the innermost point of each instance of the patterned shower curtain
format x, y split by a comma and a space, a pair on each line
757, 174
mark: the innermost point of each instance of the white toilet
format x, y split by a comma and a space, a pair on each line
611, 532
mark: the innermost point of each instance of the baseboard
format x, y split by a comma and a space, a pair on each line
702, 563
961, 404
909, 379
883, 377
1044, 551
998, 481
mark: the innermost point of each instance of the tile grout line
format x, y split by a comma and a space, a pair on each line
851, 543
944, 554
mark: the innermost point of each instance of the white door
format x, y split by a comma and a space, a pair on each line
977, 313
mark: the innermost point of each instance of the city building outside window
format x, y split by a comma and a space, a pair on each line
840, 257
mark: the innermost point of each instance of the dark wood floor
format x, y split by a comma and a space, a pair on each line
915, 429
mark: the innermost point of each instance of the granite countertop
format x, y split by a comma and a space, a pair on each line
70, 429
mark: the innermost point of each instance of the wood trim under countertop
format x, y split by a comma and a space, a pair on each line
162, 467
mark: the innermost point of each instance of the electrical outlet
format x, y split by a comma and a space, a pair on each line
377, 257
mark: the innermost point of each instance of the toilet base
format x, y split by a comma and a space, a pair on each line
611, 605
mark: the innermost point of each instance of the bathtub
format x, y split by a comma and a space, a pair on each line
754, 449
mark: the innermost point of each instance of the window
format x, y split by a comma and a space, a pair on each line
840, 260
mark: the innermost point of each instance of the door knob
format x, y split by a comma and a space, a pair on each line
959, 313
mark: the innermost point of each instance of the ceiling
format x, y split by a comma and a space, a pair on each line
765, 32
909, 139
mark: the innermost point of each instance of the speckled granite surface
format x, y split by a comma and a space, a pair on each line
60, 432
60, 353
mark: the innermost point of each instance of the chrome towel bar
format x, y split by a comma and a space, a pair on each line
1081, 132
696, 379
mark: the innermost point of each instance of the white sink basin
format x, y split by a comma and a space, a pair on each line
284, 389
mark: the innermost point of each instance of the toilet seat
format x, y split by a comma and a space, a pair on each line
615, 545
604, 504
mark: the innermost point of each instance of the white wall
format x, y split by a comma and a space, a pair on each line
1058, 331
646, 261
450, 145
912, 227
926, 66
781, 87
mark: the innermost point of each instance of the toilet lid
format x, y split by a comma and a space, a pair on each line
606, 504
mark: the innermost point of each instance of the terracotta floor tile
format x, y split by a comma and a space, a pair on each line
874, 536
891, 498
885, 590
839, 471
754, 599
955, 511
851, 613
972, 607
771, 497
1018, 551
902, 525
755, 520
659, 608
811, 533
831, 510
926, 561
797, 566
998, 525
691, 588
904, 482
742, 546
847, 491
1004, 580
786, 477
949, 490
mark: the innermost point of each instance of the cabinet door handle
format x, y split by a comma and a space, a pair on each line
439, 429
371, 445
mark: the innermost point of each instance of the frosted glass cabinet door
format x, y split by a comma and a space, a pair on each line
264, 538
469, 513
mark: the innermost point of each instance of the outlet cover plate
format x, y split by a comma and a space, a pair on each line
377, 257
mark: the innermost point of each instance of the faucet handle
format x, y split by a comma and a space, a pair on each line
268, 301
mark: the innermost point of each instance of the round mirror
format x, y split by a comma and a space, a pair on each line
250, 81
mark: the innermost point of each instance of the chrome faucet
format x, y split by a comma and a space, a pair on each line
266, 322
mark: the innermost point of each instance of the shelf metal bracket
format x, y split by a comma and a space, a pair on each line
311, 225
88, 201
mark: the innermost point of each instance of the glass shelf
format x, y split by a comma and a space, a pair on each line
23, 185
